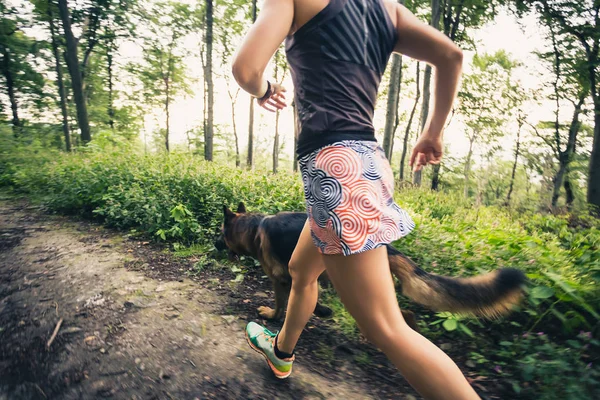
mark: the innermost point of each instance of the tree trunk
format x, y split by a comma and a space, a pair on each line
249, 159
204, 90
593, 193
564, 157
435, 22
424, 113
295, 162
570, 196
436, 12
237, 145
209, 133
558, 180
392, 104
409, 124
276, 138
10, 88
109, 65
59, 80
73, 64
167, 112
514, 168
435, 178
276, 144
468, 166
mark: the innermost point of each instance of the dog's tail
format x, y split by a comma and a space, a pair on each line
488, 295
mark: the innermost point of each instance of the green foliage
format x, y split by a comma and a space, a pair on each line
178, 198
20, 77
452, 322
538, 368
175, 197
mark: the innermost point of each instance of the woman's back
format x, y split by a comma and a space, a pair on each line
337, 58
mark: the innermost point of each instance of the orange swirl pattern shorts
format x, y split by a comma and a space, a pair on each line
349, 187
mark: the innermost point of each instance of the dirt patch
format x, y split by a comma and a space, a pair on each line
322, 347
149, 331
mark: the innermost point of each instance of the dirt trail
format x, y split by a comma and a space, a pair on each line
125, 335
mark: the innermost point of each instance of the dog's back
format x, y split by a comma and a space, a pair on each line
280, 232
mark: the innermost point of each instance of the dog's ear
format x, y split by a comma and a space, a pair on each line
227, 213
241, 208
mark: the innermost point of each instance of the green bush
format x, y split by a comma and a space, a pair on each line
178, 198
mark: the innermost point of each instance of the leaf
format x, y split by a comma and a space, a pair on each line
542, 292
450, 325
559, 315
466, 330
516, 387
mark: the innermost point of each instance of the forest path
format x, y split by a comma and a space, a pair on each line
128, 335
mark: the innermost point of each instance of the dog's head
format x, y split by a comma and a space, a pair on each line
227, 239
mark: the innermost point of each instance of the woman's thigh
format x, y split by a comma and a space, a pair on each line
366, 287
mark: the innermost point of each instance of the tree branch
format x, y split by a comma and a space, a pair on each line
548, 142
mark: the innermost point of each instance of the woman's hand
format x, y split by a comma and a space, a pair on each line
428, 150
276, 101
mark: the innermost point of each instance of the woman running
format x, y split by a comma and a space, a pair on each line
337, 51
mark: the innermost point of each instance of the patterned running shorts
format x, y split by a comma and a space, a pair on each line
349, 188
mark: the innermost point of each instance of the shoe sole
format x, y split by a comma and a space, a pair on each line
273, 369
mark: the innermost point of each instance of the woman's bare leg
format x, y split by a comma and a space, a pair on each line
365, 286
305, 267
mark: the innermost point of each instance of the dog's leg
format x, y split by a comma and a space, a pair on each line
322, 311
282, 293
410, 319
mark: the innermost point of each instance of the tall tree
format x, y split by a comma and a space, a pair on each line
520, 122
581, 20
517, 96
22, 81
436, 13
249, 159
392, 104
409, 124
62, 92
162, 73
568, 84
46, 11
208, 75
228, 29
280, 65
457, 17
483, 101
233, 99
75, 73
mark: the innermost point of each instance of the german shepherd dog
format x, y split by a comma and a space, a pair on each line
271, 240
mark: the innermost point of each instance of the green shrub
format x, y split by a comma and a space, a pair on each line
178, 198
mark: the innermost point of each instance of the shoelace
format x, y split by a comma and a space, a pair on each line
269, 338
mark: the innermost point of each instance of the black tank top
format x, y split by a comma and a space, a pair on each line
337, 59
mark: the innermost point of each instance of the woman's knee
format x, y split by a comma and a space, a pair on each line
303, 275
381, 332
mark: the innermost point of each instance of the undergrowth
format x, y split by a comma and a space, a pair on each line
546, 349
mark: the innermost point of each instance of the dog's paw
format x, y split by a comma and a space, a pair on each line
266, 312
322, 311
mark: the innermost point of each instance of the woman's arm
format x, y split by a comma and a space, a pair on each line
425, 43
260, 43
